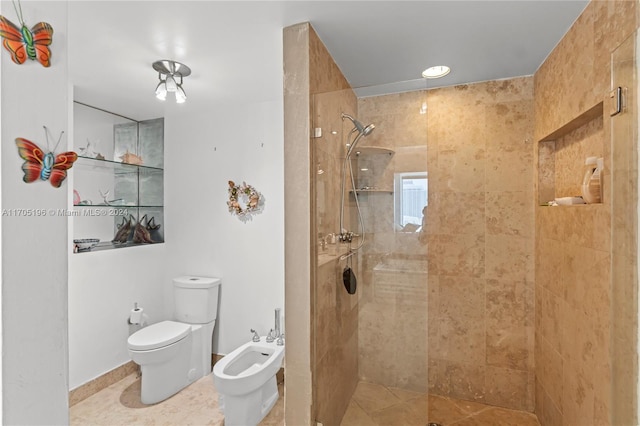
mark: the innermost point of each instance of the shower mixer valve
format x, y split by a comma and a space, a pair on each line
346, 237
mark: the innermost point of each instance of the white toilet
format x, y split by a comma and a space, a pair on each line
246, 382
174, 354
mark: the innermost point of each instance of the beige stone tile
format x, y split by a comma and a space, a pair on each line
549, 373
456, 220
373, 397
461, 338
397, 415
509, 257
462, 169
510, 213
356, 416
444, 410
499, 417
460, 255
508, 171
552, 320
509, 319
405, 395
549, 265
508, 388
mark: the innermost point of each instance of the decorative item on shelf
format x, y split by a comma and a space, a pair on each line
76, 198
23, 43
244, 200
141, 234
85, 244
47, 166
130, 158
114, 202
124, 229
153, 229
168, 72
86, 151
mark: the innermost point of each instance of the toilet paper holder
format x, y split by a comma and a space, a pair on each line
136, 316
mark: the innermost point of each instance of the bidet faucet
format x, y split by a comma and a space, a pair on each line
256, 336
277, 325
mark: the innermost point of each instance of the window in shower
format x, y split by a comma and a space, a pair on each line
410, 198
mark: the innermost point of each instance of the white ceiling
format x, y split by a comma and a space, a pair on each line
234, 48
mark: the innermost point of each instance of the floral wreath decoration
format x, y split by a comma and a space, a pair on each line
238, 194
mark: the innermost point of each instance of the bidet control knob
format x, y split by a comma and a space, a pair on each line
256, 336
270, 337
280, 341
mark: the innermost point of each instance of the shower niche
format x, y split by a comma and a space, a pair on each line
370, 165
562, 154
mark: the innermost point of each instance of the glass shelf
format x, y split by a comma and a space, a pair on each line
114, 167
123, 206
108, 245
373, 191
373, 150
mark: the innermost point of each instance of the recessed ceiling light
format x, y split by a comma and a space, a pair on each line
436, 72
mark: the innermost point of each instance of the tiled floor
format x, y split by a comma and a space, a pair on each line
196, 405
371, 405
376, 405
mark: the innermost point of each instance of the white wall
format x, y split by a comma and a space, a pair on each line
103, 286
34, 253
203, 151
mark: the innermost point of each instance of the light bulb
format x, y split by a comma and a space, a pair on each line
171, 84
180, 95
161, 91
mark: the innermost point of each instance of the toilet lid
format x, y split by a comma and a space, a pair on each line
158, 335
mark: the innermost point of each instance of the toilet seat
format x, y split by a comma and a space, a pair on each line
158, 335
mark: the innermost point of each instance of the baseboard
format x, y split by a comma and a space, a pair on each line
83, 392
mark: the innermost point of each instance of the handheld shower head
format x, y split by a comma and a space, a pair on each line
355, 122
358, 125
362, 131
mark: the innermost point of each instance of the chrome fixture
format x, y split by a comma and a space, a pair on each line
280, 341
168, 73
362, 131
256, 336
277, 324
344, 235
270, 337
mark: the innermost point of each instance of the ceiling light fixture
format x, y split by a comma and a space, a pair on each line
436, 72
170, 74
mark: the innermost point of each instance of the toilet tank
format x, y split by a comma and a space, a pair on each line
196, 299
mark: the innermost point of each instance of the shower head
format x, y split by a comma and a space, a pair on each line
362, 131
366, 131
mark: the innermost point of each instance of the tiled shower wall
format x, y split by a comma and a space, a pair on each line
479, 268
392, 338
481, 237
574, 289
335, 312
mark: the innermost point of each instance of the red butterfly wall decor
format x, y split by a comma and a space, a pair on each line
45, 166
23, 43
